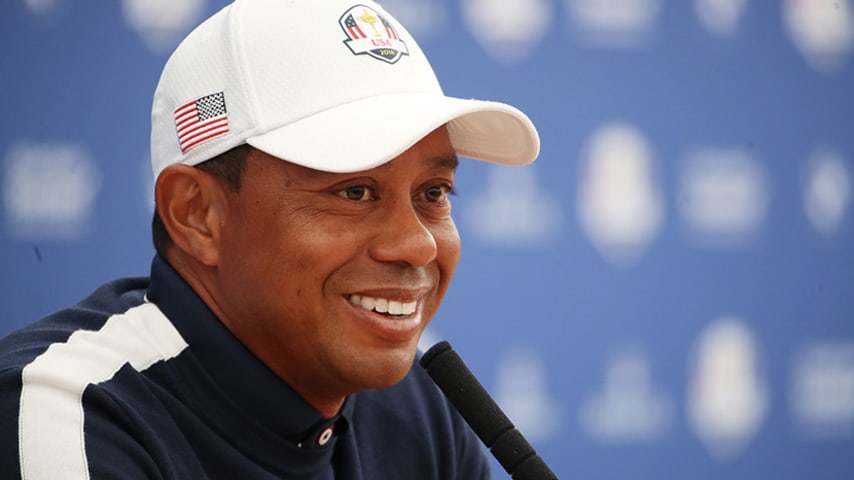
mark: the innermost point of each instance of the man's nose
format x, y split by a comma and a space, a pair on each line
403, 237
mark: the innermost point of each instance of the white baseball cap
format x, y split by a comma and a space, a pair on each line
332, 85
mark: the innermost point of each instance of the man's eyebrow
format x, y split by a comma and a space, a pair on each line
446, 161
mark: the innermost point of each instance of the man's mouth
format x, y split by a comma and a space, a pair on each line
384, 305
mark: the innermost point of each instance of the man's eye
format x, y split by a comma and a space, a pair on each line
359, 193
438, 194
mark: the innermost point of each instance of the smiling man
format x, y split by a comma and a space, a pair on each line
304, 156
328, 278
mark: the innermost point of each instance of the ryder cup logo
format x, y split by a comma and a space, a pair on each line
370, 33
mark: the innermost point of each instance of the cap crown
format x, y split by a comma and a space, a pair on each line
276, 62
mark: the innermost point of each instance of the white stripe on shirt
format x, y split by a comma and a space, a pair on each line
51, 436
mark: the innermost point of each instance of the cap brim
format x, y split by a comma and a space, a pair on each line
370, 132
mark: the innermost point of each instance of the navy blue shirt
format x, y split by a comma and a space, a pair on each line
142, 381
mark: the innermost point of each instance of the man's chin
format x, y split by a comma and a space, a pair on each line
386, 371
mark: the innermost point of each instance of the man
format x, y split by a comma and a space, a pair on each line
304, 156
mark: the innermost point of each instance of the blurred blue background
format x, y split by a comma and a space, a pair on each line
668, 292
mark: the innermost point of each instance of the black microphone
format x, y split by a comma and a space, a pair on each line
483, 415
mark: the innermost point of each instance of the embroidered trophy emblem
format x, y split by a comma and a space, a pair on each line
369, 33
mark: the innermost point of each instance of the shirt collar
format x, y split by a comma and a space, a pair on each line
248, 383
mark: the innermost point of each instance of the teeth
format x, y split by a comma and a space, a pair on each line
381, 305
384, 305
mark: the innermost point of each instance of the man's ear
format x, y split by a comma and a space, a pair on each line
190, 202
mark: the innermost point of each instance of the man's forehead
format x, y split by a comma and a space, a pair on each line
446, 161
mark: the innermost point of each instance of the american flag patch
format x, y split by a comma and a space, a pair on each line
201, 120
